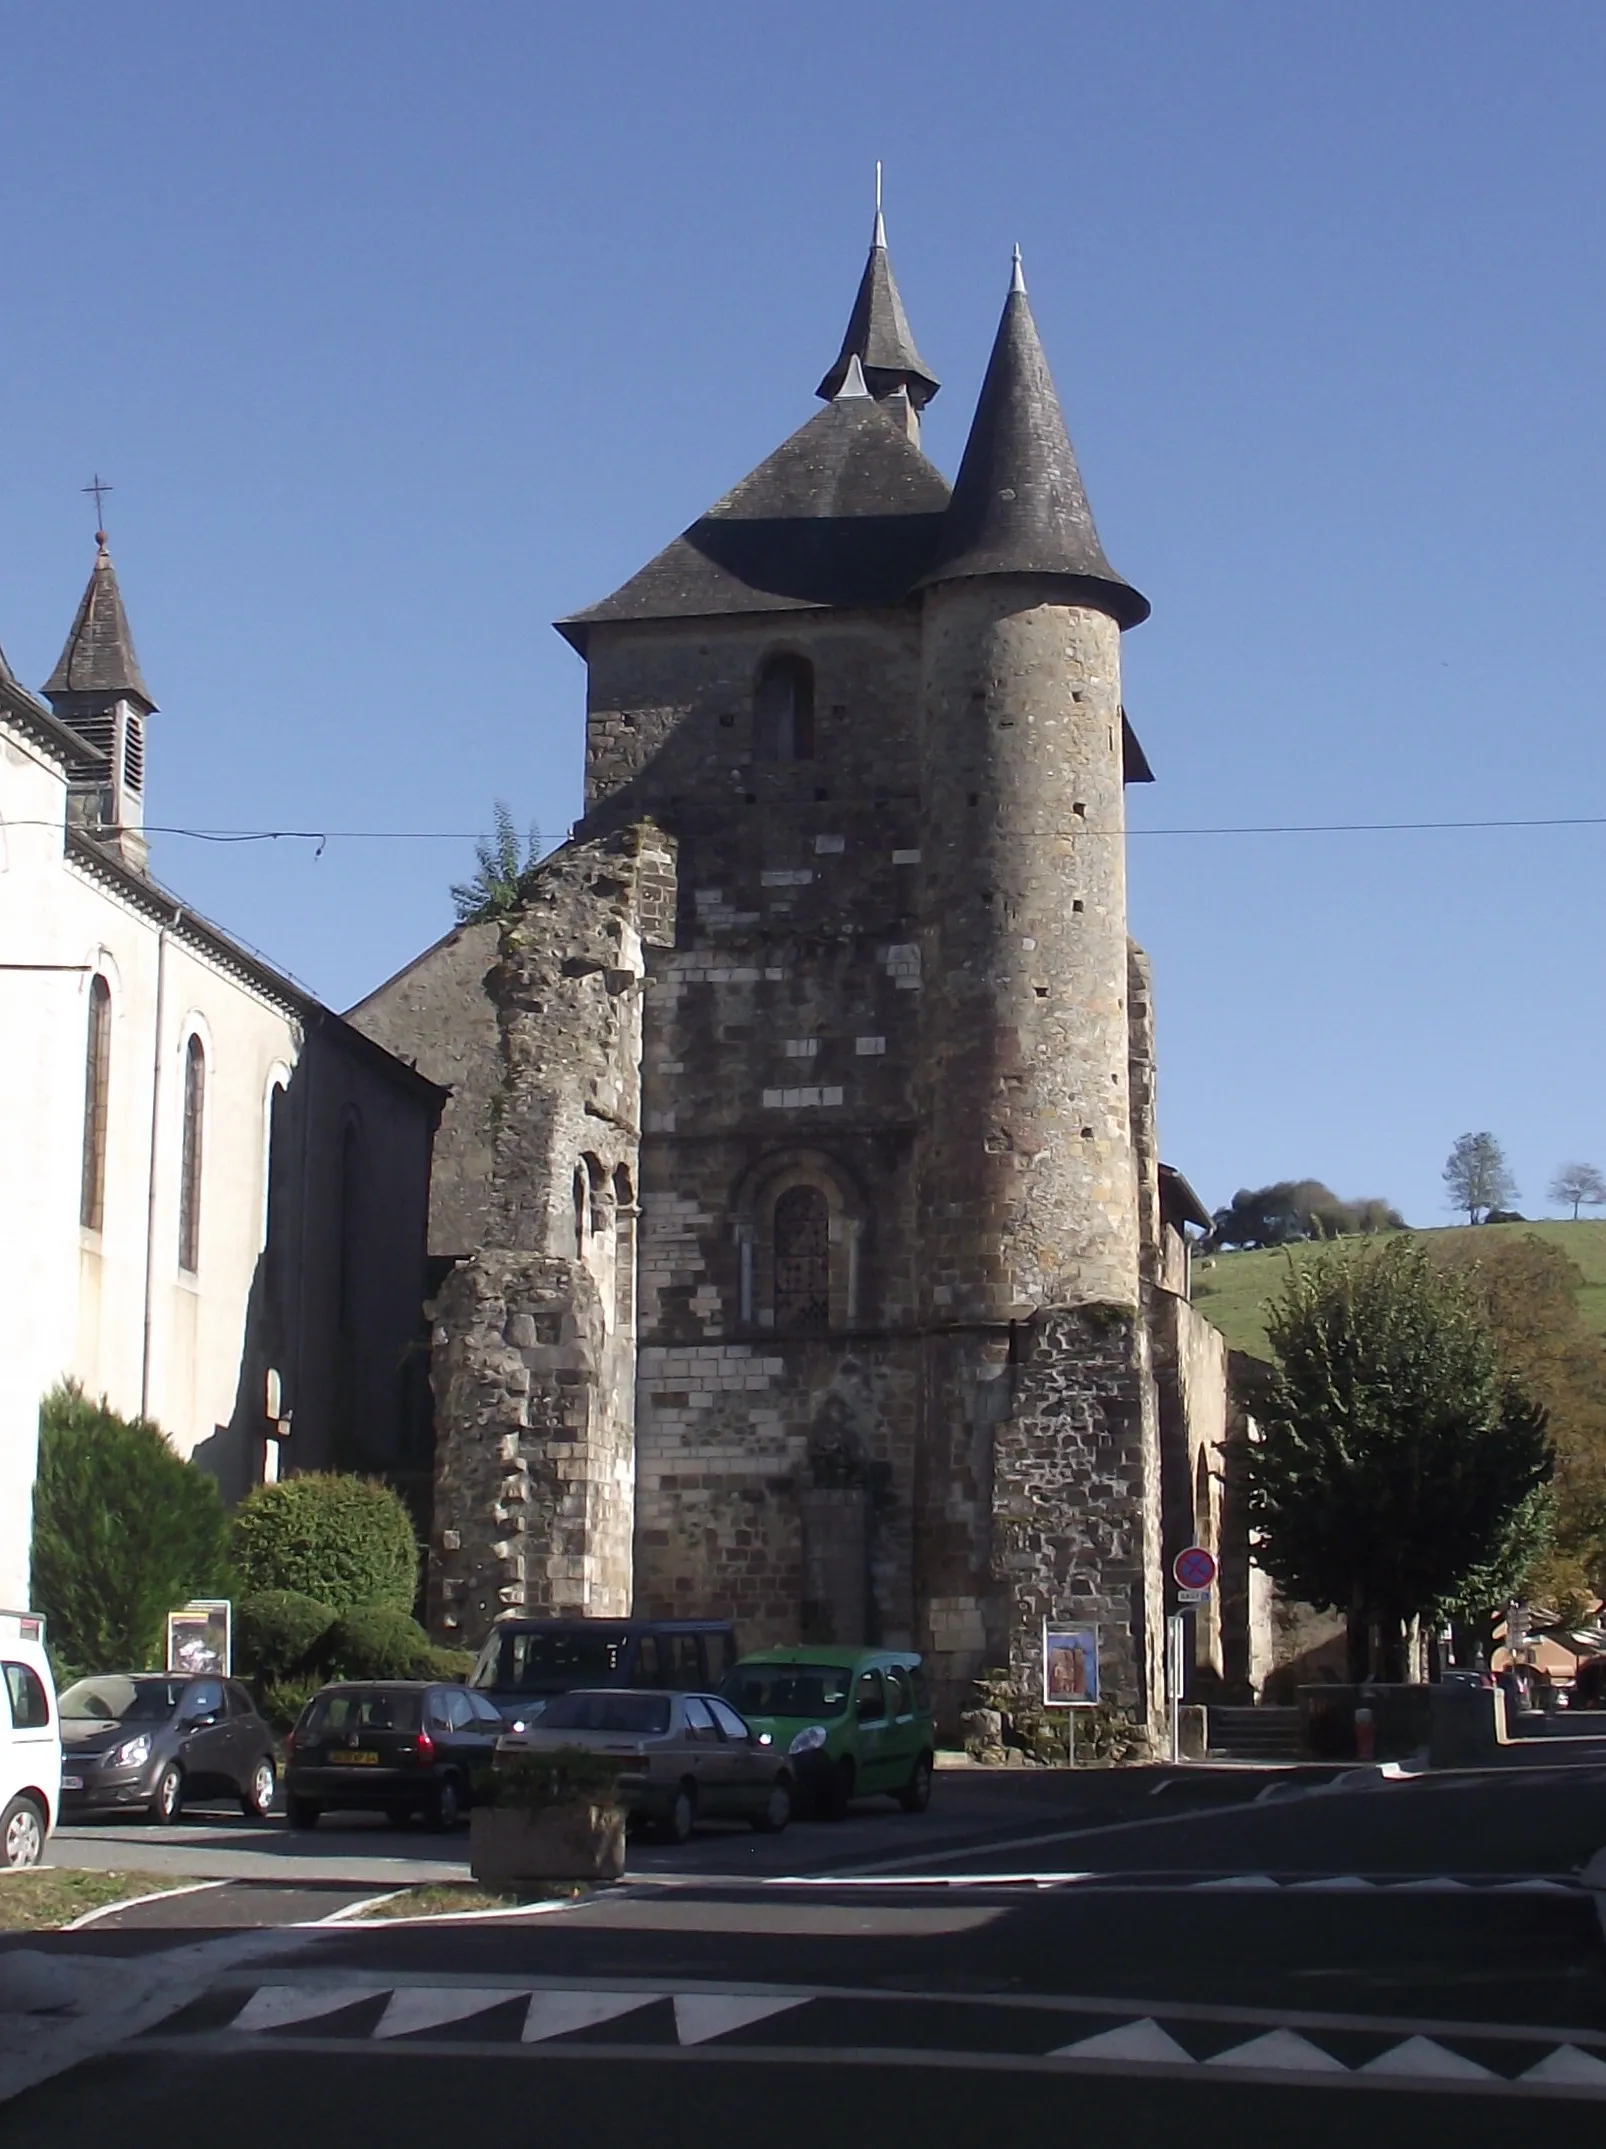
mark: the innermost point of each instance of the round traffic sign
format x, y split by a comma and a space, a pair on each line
1195, 1568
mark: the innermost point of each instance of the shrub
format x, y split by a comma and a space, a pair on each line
283, 1700
448, 1664
124, 1531
343, 1541
376, 1642
277, 1633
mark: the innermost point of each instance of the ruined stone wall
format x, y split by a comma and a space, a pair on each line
1190, 1365
533, 1362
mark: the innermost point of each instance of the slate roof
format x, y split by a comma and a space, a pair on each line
879, 335
847, 512
1019, 505
99, 657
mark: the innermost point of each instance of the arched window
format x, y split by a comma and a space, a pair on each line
783, 711
189, 1187
624, 1248
97, 1092
802, 1261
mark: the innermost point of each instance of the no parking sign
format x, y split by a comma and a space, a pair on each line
1195, 1572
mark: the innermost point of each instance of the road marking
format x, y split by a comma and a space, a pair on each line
427, 2008
135, 1902
1338, 1884
1421, 2057
1237, 1882
699, 2016
1281, 2049
559, 2014
1143, 2042
273, 2007
1568, 2064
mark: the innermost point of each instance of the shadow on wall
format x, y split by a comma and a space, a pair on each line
335, 1308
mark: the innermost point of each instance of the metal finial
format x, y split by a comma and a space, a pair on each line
880, 238
1017, 275
100, 491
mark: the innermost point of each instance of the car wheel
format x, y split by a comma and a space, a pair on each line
256, 1800
445, 1808
681, 1818
915, 1796
777, 1808
167, 1800
22, 1834
304, 1812
837, 1791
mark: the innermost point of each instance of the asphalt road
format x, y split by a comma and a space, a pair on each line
1416, 1961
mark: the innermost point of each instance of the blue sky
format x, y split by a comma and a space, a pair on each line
402, 329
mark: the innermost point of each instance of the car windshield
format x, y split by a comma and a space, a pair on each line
369, 1709
112, 1698
642, 1716
551, 1660
788, 1689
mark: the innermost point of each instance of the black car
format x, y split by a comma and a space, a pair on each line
396, 1746
156, 1741
526, 1661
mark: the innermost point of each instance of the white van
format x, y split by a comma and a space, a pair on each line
30, 1741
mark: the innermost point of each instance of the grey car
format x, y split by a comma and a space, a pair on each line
682, 1757
152, 1742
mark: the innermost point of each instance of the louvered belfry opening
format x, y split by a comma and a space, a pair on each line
802, 1261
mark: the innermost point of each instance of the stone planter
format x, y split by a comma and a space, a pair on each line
510, 1848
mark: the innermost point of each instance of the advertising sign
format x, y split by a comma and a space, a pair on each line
200, 1640
1070, 1667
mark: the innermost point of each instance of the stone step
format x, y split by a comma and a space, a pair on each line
1253, 1734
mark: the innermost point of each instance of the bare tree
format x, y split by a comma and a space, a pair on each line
1478, 1177
1581, 1184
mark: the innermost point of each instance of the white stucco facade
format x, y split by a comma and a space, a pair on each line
116, 1308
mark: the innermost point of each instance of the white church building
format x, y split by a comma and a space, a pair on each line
206, 1177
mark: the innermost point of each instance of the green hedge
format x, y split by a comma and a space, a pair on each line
342, 1541
375, 1642
278, 1632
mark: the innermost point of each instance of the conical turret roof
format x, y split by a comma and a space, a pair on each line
879, 335
1019, 506
99, 656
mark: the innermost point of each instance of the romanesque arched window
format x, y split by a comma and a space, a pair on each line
783, 710
189, 1187
97, 1099
802, 1239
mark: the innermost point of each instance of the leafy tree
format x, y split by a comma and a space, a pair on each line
1581, 1184
124, 1531
504, 869
1291, 1210
342, 1541
1477, 1176
1395, 1461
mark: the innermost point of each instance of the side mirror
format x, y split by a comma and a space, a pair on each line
199, 1723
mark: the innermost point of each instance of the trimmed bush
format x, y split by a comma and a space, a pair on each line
283, 1701
342, 1541
124, 1531
375, 1642
449, 1664
277, 1633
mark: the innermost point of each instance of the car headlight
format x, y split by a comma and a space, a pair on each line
809, 1741
133, 1753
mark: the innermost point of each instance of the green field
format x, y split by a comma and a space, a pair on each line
1232, 1290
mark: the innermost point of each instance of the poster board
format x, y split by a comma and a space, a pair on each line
1070, 1667
200, 1639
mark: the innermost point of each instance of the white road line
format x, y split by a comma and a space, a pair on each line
273, 2007
133, 1902
1421, 2057
1282, 2049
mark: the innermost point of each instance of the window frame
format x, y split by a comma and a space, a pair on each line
784, 731
192, 1155
97, 1105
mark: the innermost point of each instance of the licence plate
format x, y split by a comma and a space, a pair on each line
72, 1783
355, 1760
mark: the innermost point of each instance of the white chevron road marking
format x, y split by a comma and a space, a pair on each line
1570, 2068
275, 2007
1421, 2058
1280, 2048
701, 2015
1143, 2040
429, 2007
556, 2014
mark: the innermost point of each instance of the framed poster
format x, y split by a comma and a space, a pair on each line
1070, 1667
200, 1639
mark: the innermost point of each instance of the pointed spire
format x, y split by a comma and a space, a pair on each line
99, 657
1019, 506
853, 382
878, 334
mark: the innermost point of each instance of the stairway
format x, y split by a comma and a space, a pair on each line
1252, 1734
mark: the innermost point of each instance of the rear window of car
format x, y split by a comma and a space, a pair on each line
818, 1690
636, 1715
377, 1709
549, 1660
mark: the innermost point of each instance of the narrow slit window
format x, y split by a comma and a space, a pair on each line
624, 1247
189, 1196
97, 1092
802, 1261
783, 714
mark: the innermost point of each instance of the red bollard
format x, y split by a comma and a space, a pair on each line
1365, 1736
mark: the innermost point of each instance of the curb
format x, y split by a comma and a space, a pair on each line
1593, 1877
133, 1902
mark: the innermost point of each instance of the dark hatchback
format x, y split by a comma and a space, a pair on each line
526, 1661
394, 1746
155, 1743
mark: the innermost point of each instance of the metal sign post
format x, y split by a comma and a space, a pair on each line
1176, 1644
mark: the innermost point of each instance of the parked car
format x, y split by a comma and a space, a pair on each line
683, 1757
30, 1741
394, 1746
156, 1741
526, 1661
850, 1721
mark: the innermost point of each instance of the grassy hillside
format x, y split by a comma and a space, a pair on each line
1232, 1290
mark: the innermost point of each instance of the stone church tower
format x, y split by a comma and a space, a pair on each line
867, 1045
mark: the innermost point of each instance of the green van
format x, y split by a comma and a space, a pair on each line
851, 1721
